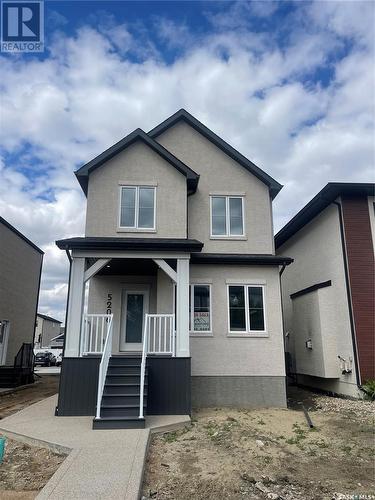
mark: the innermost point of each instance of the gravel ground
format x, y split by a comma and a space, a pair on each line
229, 454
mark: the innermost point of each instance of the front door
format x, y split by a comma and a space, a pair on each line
134, 307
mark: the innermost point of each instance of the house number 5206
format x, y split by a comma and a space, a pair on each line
109, 303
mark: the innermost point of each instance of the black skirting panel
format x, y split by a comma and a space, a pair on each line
169, 386
78, 387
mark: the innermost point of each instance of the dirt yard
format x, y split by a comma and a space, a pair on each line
26, 469
44, 387
228, 454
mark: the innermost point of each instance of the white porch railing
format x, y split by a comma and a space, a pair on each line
95, 329
103, 367
158, 338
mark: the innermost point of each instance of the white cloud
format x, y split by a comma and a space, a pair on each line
95, 87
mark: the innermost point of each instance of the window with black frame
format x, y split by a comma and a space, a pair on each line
246, 308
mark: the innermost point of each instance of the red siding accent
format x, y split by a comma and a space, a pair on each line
361, 265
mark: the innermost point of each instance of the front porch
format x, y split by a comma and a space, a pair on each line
127, 338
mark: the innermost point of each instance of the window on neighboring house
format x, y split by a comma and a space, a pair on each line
246, 309
200, 308
227, 216
137, 207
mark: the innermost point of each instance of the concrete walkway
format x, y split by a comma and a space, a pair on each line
102, 464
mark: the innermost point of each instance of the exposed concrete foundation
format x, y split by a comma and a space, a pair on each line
242, 392
334, 385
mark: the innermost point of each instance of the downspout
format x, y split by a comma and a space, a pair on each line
348, 293
282, 319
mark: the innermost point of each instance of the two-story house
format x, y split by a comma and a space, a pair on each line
183, 303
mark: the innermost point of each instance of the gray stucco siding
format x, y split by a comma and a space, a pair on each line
101, 286
317, 253
221, 353
218, 353
136, 165
221, 174
20, 266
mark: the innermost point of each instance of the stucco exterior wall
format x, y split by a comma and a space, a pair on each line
217, 353
317, 253
222, 354
138, 164
20, 266
219, 174
101, 286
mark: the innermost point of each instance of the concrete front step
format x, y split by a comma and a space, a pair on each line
118, 423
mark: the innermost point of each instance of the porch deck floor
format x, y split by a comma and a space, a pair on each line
102, 464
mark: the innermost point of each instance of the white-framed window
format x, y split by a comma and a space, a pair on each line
200, 308
227, 216
246, 309
137, 207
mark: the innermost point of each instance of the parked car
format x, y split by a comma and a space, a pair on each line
59, 359
45, 359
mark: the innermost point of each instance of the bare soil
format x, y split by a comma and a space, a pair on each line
26, 469
267, 454
46, 386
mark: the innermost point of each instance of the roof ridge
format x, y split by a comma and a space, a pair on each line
233, 153
83, 172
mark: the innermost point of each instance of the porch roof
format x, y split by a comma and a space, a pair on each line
120, 243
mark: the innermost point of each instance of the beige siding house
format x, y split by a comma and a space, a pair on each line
20, 270
182, 286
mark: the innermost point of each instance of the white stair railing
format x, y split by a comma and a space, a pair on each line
103, 367
94, 332
158, 338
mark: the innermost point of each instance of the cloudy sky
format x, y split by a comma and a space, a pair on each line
290, 85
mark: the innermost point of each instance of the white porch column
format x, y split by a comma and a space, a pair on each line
182, 309
75, 306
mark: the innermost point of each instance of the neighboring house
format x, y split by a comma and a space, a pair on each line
57, 342
46, 329
179, 238
20, 270
328, 293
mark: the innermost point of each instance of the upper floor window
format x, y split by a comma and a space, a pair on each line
227, 216
137, 207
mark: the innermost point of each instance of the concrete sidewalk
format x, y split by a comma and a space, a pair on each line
102, 464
